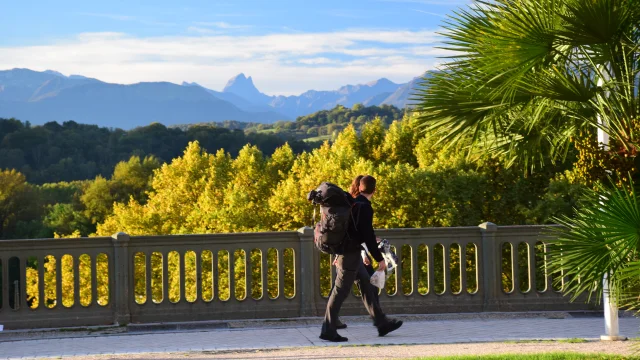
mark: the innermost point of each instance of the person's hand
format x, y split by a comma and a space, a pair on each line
382, 266
366, 261
335, 261
378, 239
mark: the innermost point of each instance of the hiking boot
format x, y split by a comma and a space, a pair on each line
388, 327
334, 338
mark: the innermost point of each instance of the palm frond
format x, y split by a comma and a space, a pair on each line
602, 238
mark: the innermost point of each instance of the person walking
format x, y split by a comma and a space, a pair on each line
350, 267
354, 190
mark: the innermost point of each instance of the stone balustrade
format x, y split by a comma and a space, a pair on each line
140, 279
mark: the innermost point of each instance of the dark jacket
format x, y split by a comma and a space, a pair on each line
361, 229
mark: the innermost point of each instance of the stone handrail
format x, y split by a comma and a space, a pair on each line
126, 279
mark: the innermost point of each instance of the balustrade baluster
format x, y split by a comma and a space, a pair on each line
399, 288
432, 269
94, 279
148, 269
182, 257
59, 281
281, 273
447, 269
414, 268
532, 266
23, 284
232, 276
199, 280
248, 274
515, 273
265, 269
215, 274
463, 267
41, 302
76, 281
5, 283
547, 260
165, 276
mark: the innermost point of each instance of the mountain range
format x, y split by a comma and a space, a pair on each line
40, 97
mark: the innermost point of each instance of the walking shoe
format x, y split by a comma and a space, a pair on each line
334, 338
341, 325
388, 327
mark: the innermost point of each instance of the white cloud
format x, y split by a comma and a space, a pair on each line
431, 51
316, 61
280, 63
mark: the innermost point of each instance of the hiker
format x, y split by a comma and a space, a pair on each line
354, 191
350, 266
366, 257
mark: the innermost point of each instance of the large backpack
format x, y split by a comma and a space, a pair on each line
331, 232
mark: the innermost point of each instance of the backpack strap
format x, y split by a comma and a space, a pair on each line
355, 222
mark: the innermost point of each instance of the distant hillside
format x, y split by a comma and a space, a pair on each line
319, 126
70, 151
40, 97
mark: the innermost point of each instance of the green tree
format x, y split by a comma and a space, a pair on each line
207, 215
64, 219
372, 138
16, 200
133, 178
98, 200
399, 143
130, 179
177, 186
247, 193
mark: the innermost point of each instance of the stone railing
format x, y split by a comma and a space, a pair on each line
123, 279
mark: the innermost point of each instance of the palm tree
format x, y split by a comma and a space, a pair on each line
602, 238
531, 79
526, 78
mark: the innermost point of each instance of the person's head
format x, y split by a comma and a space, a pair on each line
367, 185
355, 186
363, 184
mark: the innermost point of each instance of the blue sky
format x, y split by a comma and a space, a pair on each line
287, 46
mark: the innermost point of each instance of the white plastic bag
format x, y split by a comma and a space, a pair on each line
378, 279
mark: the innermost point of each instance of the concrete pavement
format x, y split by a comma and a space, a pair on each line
412, 332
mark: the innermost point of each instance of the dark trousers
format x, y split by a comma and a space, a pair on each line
350, 268
370, 271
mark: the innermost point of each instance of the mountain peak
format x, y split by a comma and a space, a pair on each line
186, 83
239, 81
381, 82
243, 86
53, 72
